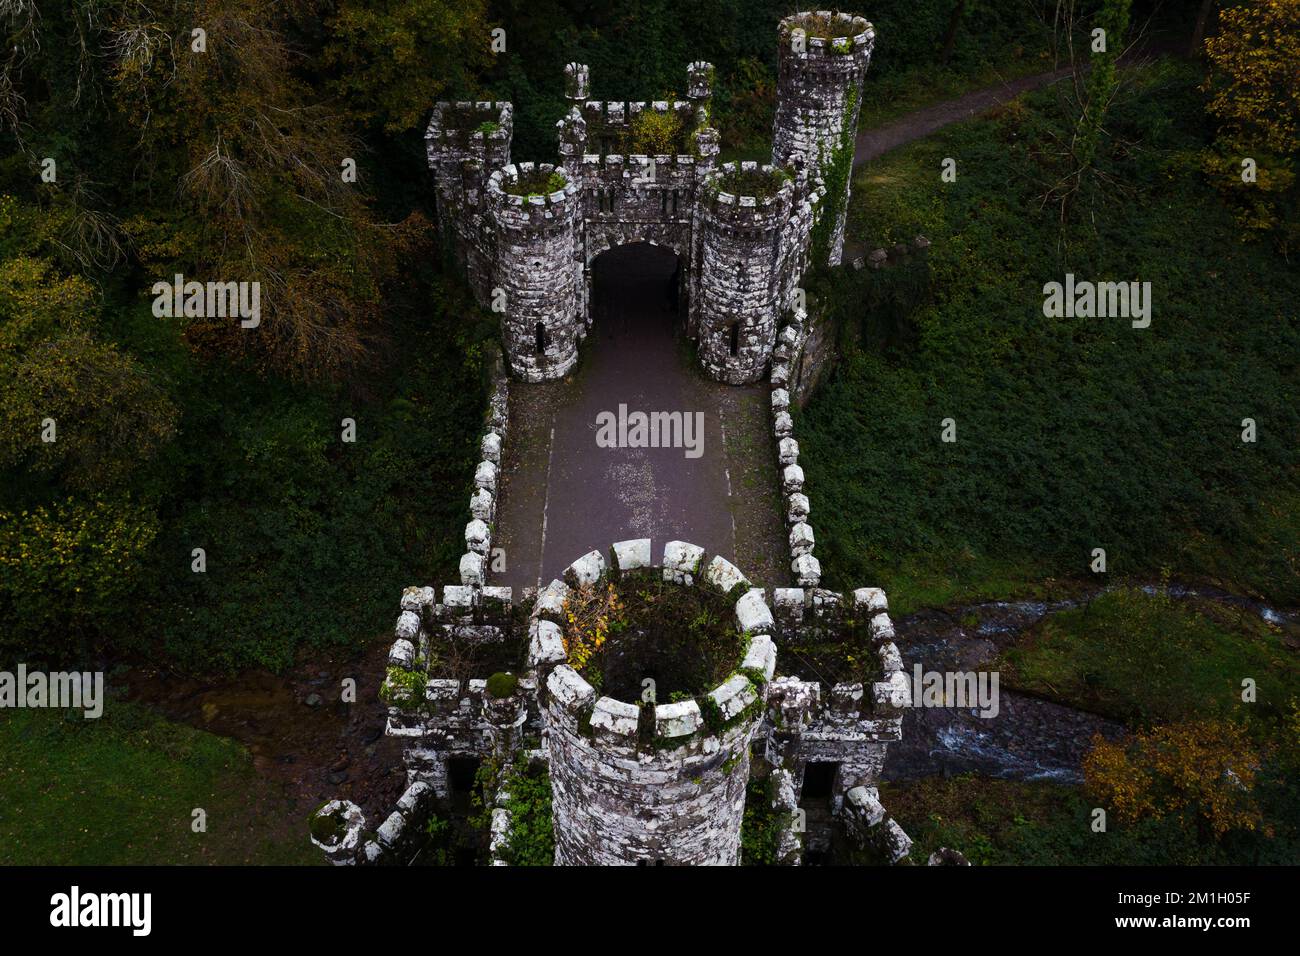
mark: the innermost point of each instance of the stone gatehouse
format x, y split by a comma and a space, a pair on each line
527, 234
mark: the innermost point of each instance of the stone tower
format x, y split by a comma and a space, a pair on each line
534, 209
647, 172
748, 263
823, 59
640, 782
465, 144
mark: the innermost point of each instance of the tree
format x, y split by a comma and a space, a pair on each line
71, 406
1253, 95
950, 35
1086, 98
392, 59
1198, 32
258, 160
1202, 771
68, 572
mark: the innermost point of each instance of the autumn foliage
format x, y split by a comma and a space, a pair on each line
1202, 771
1255, 97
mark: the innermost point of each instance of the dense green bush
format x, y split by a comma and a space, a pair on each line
68, 573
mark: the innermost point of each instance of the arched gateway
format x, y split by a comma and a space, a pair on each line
528, 234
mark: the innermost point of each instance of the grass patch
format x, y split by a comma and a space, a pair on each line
121, 790
1006, 822
1138, 658
537, 182
1072, 434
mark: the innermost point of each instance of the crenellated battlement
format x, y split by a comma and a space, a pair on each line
834, 41
646, 172
649, 691
478, 671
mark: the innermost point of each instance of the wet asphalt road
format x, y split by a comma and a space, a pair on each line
591, 496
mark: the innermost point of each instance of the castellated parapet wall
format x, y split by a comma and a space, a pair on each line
822, 60
654, 784
538, 269
633, 784
751, 242
465, 143
739, 263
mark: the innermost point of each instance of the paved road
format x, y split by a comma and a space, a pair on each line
563, 495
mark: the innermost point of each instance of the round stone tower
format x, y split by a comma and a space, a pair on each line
634, 782
823, 58
538, 272
746, 251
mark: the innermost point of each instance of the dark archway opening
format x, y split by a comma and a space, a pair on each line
637, 285
819, 779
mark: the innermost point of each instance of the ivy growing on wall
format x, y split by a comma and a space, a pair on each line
836, 167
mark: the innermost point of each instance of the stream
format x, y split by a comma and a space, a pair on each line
1029, 738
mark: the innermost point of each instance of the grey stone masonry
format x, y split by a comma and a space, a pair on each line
822, 60
538, 276
675, 793
753, 225
741, 255
467, 142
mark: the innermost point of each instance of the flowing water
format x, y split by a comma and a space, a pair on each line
1029, 738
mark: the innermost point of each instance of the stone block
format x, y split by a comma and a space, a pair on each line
870, 600
550, 601
569, 689
585, 571
478, 536
616, 718
482, 505
458, 599
733, 695
724, 575
788, 451
807, 570
408, 626
891, 696
890, 659
791, 479
472, 569
678, 720
782, 424
485, 476
392, 831
801, 539
420, 600
682, 561
546, 644
752, 613
632, 554
402, 654
761, 657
